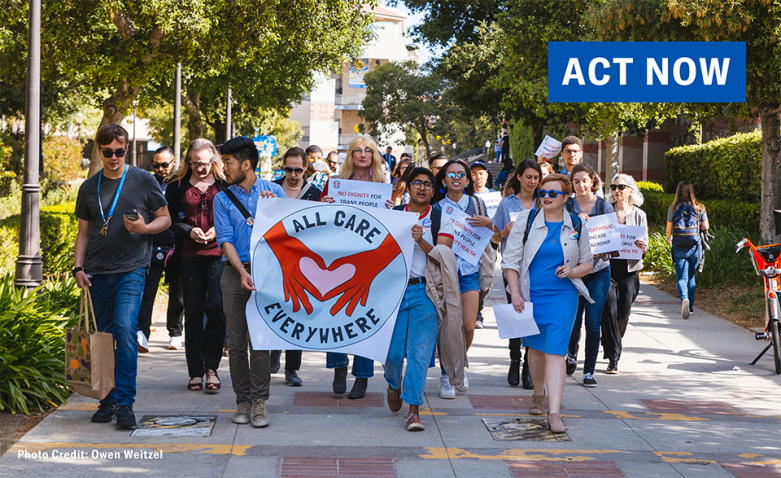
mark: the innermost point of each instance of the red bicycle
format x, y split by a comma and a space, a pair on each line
766, 260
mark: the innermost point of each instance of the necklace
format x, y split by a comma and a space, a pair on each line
294, 189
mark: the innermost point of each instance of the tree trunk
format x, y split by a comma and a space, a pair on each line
537, 136
681, 133
611, 158
424, 140
115, 109
771, 171
220, 131
192, 104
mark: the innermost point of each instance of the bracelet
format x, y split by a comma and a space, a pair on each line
76, 270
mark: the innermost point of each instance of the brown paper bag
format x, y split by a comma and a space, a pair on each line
89, 356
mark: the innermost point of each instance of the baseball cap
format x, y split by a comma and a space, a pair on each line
478, 163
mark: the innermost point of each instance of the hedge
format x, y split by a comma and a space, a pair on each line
722, 213
59, 227
727, 168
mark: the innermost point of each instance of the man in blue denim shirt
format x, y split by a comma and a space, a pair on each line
119, 209
251, 377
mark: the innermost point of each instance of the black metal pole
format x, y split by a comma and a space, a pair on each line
29, 267
178, 113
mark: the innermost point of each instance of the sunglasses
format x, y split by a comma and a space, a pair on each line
426, 185
552, 193
620, 187
200, 165
289, 170
162, 165
107, 153
456, 175
367, 150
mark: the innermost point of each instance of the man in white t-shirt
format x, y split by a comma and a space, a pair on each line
415, 332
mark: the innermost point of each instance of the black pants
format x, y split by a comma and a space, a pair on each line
615, 317
515, 344
292, 359
175, 312
202, 294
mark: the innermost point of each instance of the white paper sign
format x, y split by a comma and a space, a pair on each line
550, 148
491, 201
514, 216
603, 234
468, 242
359, 193
329, 277
512, 324
629, 234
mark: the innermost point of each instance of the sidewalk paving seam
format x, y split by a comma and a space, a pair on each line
441, 438
230, 454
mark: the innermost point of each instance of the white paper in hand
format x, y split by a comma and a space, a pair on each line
512, 324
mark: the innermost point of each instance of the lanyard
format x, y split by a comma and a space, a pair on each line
104, 230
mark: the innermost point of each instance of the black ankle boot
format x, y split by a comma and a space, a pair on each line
359, 389
526, 378
340, 380
513, 376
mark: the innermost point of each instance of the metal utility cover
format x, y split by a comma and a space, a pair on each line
528, 429
175, 425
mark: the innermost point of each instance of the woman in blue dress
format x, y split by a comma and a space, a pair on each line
544, 267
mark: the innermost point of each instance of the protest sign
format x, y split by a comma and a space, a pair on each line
514, 216
329, 277
603, 235
630, 234
491, 200
512, 324
359, 193
468, 242
549, 148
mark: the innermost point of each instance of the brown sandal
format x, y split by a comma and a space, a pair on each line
197, 386
212, 385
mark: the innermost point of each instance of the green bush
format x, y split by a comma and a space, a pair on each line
61, 158
727, 168
59, 227
32, 344
645, 186
722, 213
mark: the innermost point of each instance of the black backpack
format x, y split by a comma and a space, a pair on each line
576, 223
436, 219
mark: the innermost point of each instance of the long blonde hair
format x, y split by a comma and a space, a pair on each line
218, 169
348, 167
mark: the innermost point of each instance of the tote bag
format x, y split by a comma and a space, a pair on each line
89, 355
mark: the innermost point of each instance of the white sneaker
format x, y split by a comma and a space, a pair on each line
463, 388
685, 308
175, 343
143, 343
446, 390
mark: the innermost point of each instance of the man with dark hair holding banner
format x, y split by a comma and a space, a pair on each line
234, 213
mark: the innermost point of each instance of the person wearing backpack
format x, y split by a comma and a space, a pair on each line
686, 221
544, 260
586, 204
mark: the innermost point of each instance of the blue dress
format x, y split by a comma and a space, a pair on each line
555, 300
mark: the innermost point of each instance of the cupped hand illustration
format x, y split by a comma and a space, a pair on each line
289, 252
367, 265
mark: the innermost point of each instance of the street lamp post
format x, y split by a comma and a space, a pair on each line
135, 150
29, 267
228, 121
178, 113
79, 120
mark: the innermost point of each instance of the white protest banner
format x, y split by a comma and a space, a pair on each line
603, 233
512, 324
468, 242
630, 234
491, 200
549, 148
329, 277
359, 193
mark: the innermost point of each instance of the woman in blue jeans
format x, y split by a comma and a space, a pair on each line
586, 204
686, 221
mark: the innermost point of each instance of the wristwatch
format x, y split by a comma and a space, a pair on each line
77, 269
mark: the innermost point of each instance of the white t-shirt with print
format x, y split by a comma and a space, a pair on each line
418, 256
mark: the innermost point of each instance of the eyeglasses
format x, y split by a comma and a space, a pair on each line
552, 193
456, 175
426, 185
367, 151
107, 153
162, 165
289, 170
620, 187
572, 151
200, 165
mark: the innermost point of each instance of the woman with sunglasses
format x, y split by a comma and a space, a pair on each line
363, 163
626, 200
520, 195
454, 188
586, 204
544, 267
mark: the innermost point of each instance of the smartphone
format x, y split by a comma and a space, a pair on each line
132, 215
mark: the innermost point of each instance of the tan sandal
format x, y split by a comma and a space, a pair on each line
536, 408
555, 424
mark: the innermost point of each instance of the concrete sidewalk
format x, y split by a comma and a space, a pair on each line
685, 403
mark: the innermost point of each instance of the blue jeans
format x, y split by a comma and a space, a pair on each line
362, 367
414, 337
117, 300
685, 262
598, 285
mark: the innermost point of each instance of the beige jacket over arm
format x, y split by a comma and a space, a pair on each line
519, 257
